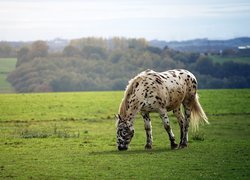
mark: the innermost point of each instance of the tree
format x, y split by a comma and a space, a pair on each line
22, 56
71, 51
93, 51
204, 65
39, 49
6, 50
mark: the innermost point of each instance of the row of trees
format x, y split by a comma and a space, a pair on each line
100, 64
6, 50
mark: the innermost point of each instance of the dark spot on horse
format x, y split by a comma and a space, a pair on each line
194, 81
163, 77
158, 98
171, 81
181, 73
194, 86
179, 77
137, 84
158, 80
146, 95
188, 76
172, 73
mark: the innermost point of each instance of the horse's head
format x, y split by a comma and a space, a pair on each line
125, 132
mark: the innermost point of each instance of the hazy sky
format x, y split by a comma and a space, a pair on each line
152, 19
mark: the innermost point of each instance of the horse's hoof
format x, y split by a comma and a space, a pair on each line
174, 146
148, 146
183, 145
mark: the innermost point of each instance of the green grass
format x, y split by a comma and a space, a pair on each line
6, 66
221, 59
72, 136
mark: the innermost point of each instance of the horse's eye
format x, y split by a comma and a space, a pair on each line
123, 133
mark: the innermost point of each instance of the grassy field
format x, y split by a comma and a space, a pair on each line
6, 65
221, 59
72, 136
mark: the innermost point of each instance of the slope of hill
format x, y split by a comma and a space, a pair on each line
202, 45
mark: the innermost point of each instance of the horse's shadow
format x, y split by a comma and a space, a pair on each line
132, 151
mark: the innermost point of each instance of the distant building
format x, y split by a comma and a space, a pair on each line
244, 50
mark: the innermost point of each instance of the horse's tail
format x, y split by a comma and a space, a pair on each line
197, 114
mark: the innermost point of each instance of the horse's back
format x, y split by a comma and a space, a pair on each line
165, 90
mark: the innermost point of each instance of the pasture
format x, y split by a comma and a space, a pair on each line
73, 136
221, 59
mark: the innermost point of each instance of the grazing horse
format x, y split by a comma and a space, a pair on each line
152, 91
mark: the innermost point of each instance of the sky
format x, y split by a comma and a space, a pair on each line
25, 20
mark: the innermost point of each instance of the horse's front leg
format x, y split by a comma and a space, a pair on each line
148, 129
167, 127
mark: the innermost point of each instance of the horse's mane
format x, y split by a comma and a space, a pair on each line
132, 84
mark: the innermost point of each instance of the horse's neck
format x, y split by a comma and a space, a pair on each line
130, 113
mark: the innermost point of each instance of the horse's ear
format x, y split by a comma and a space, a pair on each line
117, 116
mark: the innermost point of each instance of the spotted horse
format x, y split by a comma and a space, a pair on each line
160, 92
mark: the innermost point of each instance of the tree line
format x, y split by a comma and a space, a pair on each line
91, 64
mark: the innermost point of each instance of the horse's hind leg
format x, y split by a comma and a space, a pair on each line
167, 127
187, 110
148, 129
178, 114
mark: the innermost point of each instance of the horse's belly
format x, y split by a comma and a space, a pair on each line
150, 105
175, 98
174, 105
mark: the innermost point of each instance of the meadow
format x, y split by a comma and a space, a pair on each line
73, 136
221, 59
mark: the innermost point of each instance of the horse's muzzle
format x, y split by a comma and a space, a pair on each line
122, 148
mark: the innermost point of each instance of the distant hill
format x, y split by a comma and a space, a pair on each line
202, 45
195, 45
